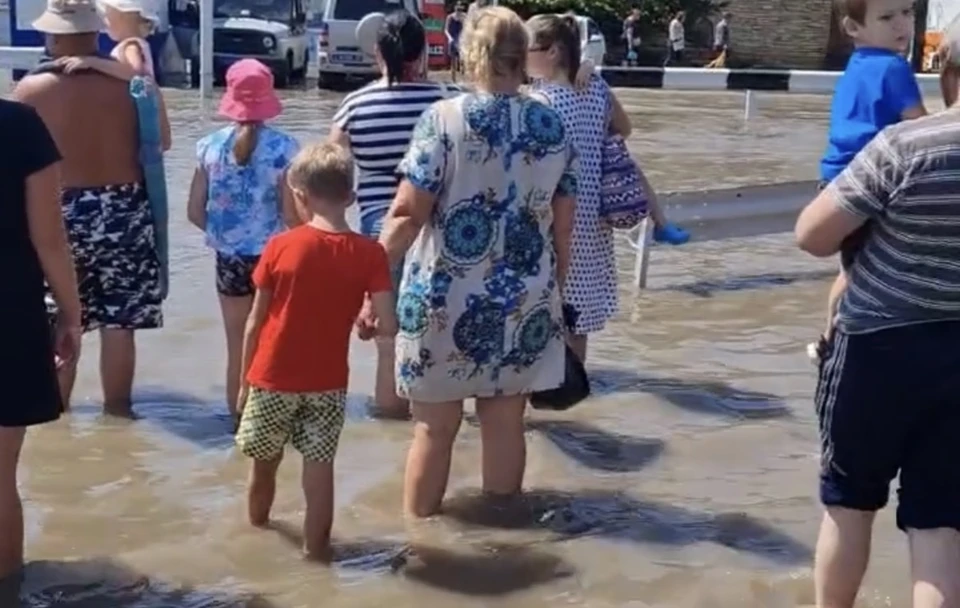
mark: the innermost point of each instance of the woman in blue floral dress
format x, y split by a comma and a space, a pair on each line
485, 208
239, 197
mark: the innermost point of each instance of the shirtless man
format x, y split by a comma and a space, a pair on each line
93, 121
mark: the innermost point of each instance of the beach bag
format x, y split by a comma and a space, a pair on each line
576, 384
623, 203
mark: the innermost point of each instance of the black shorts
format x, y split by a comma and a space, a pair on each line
27, 369
235, 274
889, 404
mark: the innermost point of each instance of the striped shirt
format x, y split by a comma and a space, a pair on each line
379, 120
906, 185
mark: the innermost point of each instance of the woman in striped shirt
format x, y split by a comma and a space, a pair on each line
376, 123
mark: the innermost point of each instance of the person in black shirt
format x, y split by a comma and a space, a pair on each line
33, 248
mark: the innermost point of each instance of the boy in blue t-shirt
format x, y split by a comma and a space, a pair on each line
877, 89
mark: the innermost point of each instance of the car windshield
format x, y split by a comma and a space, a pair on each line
355, 10
273, 10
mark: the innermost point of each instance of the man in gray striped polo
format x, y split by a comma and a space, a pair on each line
888, 395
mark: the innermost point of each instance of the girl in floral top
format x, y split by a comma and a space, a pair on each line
239, 196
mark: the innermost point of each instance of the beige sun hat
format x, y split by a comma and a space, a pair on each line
69, 17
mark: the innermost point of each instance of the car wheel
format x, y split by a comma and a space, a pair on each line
283, 75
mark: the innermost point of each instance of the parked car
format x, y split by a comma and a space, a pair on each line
334, 25
593, 45
271, 31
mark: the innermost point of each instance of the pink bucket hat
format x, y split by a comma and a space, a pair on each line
250, 96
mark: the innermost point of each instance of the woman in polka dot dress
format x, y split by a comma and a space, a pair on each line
588, 114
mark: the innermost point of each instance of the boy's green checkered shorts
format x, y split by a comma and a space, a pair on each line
311, 422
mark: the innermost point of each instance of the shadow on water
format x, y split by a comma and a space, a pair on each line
713, 398
495, 570
708, 288
598, 449
203, 422
620, 517
356, 554
106, 583
490, 571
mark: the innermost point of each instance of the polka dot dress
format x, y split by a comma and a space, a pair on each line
592, 279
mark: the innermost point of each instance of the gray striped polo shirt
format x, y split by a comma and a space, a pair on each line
906, 184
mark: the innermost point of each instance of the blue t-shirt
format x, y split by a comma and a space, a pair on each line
874, 91
244, 203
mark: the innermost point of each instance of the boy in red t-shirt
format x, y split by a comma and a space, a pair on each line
311, 284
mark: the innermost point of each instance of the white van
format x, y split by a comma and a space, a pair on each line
334, 25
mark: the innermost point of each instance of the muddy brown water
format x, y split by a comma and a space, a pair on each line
688, 479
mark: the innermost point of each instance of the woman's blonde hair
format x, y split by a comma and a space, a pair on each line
494, 43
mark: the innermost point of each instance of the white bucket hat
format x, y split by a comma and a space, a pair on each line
69, 17
143, 8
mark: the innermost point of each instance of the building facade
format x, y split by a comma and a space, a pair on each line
798, 34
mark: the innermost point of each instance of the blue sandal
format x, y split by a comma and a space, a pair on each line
671, 234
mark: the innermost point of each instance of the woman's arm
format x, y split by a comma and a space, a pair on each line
197, 203
563, 212
339, 136
49, 239
410, 210
619, 120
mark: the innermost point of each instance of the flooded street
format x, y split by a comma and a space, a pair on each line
688, 480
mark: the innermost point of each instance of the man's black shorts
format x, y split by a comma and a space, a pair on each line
888, 403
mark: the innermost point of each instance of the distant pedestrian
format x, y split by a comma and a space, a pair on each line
631, 35
676, 39
721, 42
453, 29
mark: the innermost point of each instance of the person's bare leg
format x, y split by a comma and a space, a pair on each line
935, 562
317, 480
428, 461
235, 311
118, 361
504, 444
578, 344
385, 389
262, 490
843, 552
11, 509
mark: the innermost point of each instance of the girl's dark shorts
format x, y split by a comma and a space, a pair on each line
235, 274
888, 405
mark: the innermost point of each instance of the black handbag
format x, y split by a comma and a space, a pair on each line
576, 384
